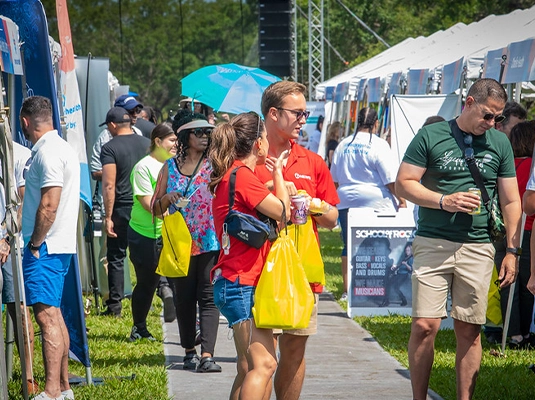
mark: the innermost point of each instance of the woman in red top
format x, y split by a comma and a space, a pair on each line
522, 140
243, 143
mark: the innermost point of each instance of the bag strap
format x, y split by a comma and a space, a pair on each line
470, 161
192, 176
232, 188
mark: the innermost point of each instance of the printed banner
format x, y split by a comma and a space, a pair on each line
379, 261
72, 108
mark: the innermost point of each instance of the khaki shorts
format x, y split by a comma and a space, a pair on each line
440, 266
312, 327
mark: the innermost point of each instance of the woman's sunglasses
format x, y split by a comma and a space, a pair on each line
200, 132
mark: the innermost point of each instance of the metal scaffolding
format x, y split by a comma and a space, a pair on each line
315, 45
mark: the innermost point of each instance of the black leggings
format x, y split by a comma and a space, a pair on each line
190, 290
144, 257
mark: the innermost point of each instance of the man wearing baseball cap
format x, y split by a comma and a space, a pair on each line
118, 157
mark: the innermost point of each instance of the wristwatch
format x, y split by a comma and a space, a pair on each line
33, 247
517, 251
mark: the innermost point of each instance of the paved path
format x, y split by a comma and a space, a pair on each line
343, 362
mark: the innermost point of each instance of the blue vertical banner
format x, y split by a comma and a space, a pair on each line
520, 56
451, 76
492, 64
417, 81
374, 90
30, 17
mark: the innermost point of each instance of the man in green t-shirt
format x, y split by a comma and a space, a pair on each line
452, 248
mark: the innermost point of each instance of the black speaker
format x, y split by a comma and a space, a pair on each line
275, 37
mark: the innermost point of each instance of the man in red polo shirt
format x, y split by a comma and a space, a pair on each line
284, 109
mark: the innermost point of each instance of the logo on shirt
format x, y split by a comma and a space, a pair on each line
299, 176
459, 164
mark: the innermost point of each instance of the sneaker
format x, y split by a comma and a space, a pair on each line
191, 361
139, 333
44, 396
68, 394
343, 297
169, 312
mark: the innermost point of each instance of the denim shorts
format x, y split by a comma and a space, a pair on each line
235, 301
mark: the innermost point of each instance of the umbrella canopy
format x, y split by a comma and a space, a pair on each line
230, 88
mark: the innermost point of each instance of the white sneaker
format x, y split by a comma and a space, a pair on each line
343, 297
44, 396
68, 394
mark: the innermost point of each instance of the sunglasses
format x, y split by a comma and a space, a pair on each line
468, 151
490, 116
135, 110
298, 114
200, 132
496, 117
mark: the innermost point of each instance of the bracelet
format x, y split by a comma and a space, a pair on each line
440, 202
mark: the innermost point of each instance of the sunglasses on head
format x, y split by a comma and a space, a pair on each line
200, 132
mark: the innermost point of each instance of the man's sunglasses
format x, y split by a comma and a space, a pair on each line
490, 116
200, 132
298, 114
496, 117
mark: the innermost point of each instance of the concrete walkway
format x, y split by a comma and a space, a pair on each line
343, 362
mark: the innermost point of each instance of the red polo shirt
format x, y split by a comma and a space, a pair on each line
309, 172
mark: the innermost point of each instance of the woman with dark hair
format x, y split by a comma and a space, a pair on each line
144, 229
522, 140
315, 137
184, 179
331, 142
242, 143
364, 171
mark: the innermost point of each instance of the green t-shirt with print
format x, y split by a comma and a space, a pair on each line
143, 178
435, 148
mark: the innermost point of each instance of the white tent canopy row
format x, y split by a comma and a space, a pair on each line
462, 45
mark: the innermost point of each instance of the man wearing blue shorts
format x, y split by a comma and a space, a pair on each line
49, 218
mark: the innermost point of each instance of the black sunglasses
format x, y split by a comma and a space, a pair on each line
497, 118
200, 132
468, 150
490, 116
298, 114
135, 110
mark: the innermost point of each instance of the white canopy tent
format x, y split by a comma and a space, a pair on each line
471, 42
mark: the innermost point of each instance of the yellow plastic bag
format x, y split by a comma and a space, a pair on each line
176, 251
283, 298
308, 249
494, 310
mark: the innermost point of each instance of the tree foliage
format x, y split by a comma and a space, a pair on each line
164, 40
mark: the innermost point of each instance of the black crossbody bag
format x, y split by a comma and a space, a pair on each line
246, 227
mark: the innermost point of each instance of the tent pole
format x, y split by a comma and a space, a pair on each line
88, 376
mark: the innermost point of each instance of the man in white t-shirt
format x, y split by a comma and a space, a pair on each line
49, 219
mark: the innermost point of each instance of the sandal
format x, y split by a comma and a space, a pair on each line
208, 364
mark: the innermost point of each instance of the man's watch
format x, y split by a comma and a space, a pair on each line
33, 247
517, 251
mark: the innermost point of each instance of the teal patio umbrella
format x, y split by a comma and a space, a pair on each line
228, 88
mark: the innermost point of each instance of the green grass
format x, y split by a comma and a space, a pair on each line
499, 378
112, 357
